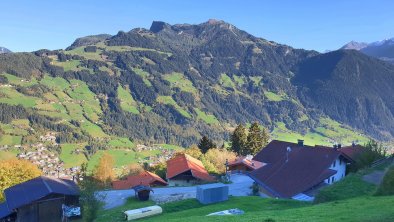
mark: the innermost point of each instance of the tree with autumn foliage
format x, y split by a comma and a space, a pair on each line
194, 151
13, 172
217, 158
104, 171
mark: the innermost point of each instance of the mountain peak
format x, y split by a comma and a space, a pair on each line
157, 26
4, 50
215, 21
355, 45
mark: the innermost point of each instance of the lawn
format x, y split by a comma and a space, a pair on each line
271, 96
13, 97
128, 49
14, 80
127, 103
121, 142
178, 80
260, 209
208, 118
121, 157
93, 129
240, 80
10, 140
71, 159
327, 133
226, 81
80, 51
56, 83
9, 154
71, 65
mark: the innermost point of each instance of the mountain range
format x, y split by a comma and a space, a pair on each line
174, 83
383, 49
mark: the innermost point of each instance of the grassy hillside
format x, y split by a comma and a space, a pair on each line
259, 209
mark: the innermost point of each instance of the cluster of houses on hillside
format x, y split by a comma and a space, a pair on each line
281, 170
49, 162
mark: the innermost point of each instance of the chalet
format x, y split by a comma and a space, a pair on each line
145, 178
38, 200
297, 171
351, 152
184, 170
244, 164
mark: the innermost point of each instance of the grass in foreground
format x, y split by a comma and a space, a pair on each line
259, 209
351, 186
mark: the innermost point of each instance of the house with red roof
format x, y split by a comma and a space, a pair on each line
352, 152
145, 178
184, 170
244, 164
297, 171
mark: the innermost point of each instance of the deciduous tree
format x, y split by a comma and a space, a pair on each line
217, 157
15, 171
194, 151
104, 170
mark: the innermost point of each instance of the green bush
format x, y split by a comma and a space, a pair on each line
387, 185
372, 152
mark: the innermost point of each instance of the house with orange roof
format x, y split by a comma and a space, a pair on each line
244, 164
145, 178
184, 170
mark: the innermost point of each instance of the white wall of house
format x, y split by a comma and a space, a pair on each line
182, 183
340, 166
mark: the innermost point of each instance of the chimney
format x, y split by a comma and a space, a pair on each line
335, 146
339, 146
300, 143
353, 144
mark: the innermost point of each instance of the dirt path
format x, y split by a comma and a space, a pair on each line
376, 177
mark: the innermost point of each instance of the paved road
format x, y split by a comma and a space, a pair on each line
240, 186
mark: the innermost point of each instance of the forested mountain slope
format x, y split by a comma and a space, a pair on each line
174, 83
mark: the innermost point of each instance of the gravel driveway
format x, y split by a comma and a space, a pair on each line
240, 186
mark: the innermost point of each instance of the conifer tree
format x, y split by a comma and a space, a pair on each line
206, 144
256, 140
238, 139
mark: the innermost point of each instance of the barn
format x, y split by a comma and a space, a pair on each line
39, 200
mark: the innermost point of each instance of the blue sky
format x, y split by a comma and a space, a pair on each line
319, 24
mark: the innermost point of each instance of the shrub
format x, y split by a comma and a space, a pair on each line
372, 152
387, 185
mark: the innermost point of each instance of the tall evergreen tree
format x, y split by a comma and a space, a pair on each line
256, 139
205, 144
238, 139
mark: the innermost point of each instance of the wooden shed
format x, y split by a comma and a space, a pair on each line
39, 200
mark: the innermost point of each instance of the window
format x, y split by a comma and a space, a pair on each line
332, 179
333, 164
